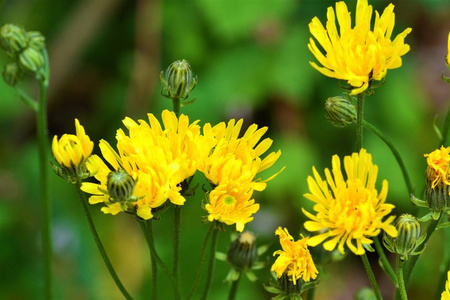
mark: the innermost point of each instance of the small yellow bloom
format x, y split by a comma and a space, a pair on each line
295, 259
72, 150
231, 203
349, 211
446, 293
448, 50
438, 171
359, 54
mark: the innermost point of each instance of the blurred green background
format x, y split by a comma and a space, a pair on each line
252, 62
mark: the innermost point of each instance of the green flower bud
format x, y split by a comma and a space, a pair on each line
288, 287
120, 186
12, 73
178, 80
242, 252
13, 39
36, 40
438, 198
340, 111
32, 59
408, 238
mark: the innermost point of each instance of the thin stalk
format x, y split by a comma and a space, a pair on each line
394, 151
99, 244
371, 276
385, 262
359, 121
176, 106
153, 262
212, 260
234, 286
155, 256
44, 186
446, 128
27, 99
399, 263
176, 242
202, 261
311, 294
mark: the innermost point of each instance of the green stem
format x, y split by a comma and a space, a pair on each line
99, 244
311, 294
154, 285
212, 259
176, 241
233, 288
27, 99
401, 283
445, 265
359, 121
385, 262
44, 160
394, 151
176, 106
446, 128
371, 276
155, 256
413, 259
202, 261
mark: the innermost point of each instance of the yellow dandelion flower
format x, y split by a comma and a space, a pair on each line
295, 259
231, 203
438, 171
359, 54
246, 151
349, 211
72, 150
448, 50
446, 293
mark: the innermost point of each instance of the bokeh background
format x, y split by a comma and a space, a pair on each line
252, 62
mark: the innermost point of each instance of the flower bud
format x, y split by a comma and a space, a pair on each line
36, 40
13, 39
340, 111
408, 237
31, 59
120, 185
178, 80
12, 73
242, 252
438, 198
438, 180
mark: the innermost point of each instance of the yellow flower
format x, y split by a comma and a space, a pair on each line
448, 50
295, 259
359, 54
72, 150
349, 211
231, 203
446, 294
246, 151
438, 171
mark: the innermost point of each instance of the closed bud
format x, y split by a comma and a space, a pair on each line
340, 111
242, 252
178, 80
408, 238
438, 198
13, 39
36, 40
12, 73
31, 59
120, 186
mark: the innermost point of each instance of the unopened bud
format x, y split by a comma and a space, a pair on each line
32, 59
12, 73
242, 252
36, 40
340, 111
120, 186
13, 39
178, 80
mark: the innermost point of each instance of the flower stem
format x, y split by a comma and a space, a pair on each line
176, 106
401, 283
212, 259
44, 159
385, 262
233, 288
27, 99
154, 285
202, 261
311, 294
446, 128
371, 276
394, 151
176, 242
359, 121
99, 244
155, 256
445, 265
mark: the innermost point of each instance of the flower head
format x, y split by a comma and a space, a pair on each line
446, 293
357, 54
71, 152
448, 50
294, 260
349, 211
438, 171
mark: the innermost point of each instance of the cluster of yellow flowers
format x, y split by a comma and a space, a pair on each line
159, 159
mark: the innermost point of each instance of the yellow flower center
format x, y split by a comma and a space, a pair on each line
229, 200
